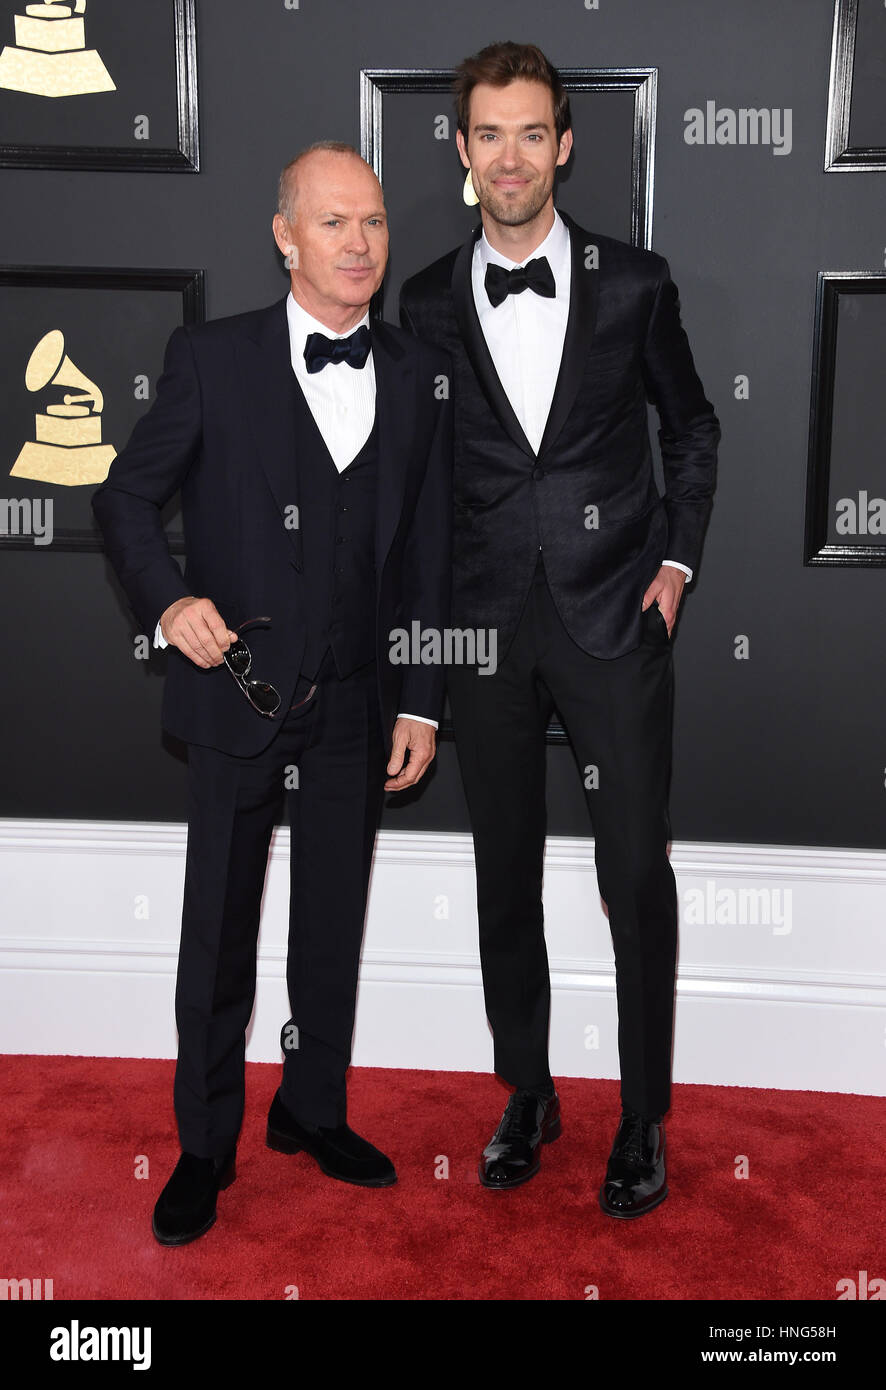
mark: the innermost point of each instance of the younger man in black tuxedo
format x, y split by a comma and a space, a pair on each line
314, 462
563, 544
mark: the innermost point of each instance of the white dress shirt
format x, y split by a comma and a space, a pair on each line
526, 332
341, 399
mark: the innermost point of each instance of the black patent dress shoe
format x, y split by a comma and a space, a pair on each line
186, 1207
339, 1152
513, 1154
635, 1179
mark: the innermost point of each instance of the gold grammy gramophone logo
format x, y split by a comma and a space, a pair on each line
68, 448
50, 57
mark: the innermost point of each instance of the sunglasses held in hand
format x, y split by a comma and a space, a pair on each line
238, 659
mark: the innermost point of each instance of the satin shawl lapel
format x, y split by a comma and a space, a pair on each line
580, 327
476, 348
395, 413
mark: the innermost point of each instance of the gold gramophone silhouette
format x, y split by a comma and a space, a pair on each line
50, 57
68, 448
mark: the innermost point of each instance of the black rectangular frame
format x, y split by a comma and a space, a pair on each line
376, 83
817, 549
191, 285
840, 156
185, 159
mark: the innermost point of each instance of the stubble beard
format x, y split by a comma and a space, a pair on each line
513, 212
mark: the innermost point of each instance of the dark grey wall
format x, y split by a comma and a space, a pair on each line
787, 747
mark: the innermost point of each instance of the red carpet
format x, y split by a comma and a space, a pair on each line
73, 1211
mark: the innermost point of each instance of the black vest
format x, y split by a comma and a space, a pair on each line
337, 522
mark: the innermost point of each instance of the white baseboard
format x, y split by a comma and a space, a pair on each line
780, 977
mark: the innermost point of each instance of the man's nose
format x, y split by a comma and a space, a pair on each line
358, 242
510, 154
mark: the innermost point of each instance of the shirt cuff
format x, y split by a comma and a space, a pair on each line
675, 564
420, 719
159, 639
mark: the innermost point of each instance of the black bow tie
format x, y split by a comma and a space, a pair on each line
535, 275
320, 350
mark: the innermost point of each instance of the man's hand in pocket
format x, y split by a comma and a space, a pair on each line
667, 588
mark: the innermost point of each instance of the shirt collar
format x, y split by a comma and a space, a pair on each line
555, 246
301, 324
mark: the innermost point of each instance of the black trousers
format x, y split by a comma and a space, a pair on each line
328, 761
618, 715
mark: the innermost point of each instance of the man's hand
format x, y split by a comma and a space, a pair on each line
419, 740
667, 587
194, 625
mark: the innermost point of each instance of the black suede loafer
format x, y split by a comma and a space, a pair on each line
186, 1207
513, 1154
635, 1180
339, 1152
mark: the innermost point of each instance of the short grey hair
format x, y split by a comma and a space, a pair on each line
286, 189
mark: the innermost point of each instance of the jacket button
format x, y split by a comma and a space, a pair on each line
538, 472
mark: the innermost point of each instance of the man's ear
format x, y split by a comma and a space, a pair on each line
565, 147
462, 149
282, 234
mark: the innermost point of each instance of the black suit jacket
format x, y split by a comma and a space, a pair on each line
624, 345
225, 429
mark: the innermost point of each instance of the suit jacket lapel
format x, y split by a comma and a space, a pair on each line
270, 386
476, 348
277, 413
394, 391
580, 327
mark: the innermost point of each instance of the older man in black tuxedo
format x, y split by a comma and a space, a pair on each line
313, 454
563, 544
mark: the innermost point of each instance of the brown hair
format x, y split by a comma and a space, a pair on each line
501, 63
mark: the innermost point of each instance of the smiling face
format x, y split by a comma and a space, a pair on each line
337, 239
512, 150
